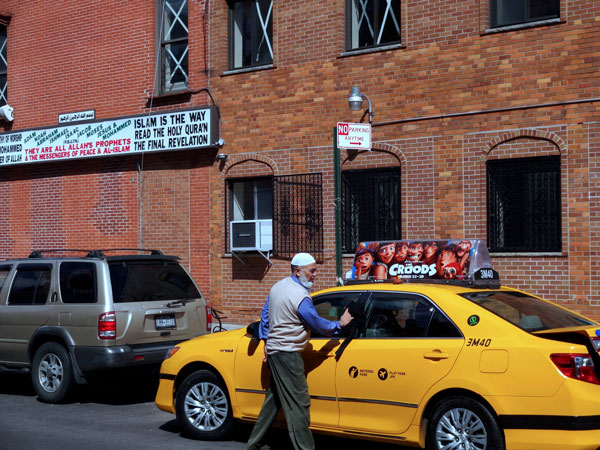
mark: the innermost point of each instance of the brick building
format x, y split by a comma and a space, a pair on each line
486, 124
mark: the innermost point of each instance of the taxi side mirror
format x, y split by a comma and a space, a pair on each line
252, 330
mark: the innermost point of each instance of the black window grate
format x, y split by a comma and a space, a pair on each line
524, 205
371, 207
298, 214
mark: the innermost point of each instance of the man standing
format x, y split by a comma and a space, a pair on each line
286, 321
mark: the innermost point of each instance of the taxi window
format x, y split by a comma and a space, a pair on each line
526, 312
332, 306
406, 316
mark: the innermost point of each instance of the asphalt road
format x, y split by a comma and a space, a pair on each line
113, 414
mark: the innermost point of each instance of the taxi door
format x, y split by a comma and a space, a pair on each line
382, 376
252, 375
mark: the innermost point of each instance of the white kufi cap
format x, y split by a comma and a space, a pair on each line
302, 259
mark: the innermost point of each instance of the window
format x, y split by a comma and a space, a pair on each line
527, 312
78, 282
407, 316
332, 306
3, 67
251, 199
250, 33
524, 204
4, 271
371, 207
143, 281
371, 23
291, 205
298, 214
173, 58
511, 12
31, 285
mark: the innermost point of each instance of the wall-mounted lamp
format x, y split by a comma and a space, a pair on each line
355, 102
222, 157
7, 113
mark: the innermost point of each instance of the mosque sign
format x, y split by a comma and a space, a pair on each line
180, 130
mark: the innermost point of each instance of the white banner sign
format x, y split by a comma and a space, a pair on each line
160, 132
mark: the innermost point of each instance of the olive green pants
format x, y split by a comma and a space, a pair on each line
287, 390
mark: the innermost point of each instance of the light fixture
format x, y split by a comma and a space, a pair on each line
222, 157
355, 102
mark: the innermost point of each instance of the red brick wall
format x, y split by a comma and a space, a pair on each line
66, 56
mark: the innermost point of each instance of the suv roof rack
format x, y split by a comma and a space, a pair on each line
100, 253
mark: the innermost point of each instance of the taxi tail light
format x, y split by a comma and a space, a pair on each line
596, 342
576, 365
107, 325
208, 319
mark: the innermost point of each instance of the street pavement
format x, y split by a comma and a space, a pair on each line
115, 413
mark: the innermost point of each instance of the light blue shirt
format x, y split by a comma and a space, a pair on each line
308, 315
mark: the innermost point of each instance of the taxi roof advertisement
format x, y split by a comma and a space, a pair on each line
458, 259
179, 130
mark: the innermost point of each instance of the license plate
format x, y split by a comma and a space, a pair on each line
166, 322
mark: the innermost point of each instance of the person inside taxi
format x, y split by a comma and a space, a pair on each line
286, 321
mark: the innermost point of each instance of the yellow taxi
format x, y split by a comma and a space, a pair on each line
438, 356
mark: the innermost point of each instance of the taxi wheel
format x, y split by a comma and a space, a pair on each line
463, 423
203, 407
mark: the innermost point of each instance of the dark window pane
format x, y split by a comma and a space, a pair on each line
177, 62
30, 286
373, 22
511, 12
371, 206
148, 281
251, 33
523, 205
78, 282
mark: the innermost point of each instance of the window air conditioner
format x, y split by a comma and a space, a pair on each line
249, 235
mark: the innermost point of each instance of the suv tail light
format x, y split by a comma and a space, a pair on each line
208, 319
576, 365
107, 325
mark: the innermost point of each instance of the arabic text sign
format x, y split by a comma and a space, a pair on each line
354, 136
171, 131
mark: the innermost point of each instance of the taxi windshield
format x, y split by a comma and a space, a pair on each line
526, 312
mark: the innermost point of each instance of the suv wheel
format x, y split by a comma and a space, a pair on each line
203, 407
52, 373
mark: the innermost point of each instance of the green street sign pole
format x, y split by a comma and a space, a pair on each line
337, 188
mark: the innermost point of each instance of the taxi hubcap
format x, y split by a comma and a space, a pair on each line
50, 372
459, 429
206, 406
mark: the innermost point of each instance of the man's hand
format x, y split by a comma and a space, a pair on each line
346, 318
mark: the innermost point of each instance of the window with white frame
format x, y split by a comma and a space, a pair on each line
250, 33
173, 56
3, 67
513, 12
372, 23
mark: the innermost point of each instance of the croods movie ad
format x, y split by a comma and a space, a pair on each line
421, 259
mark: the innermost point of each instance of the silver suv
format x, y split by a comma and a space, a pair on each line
68, 318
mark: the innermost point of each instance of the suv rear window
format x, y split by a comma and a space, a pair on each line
525, 311
142, 281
